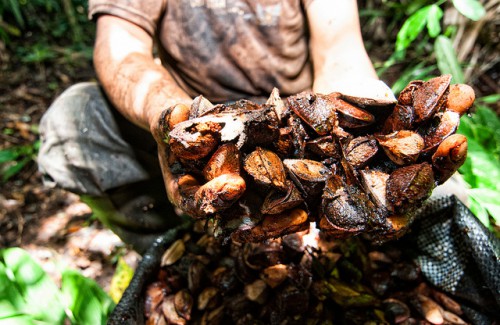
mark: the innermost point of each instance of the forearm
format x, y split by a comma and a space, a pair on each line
137, 86
334, 69
337, 48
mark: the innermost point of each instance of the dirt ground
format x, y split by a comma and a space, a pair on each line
51, 224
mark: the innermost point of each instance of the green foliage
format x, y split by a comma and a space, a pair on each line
427, 16
37, 54
430, 16
446, 57
14, 7
414, 45
31, 29
13, 160
471, 9
88, 303
482, 167
29, 296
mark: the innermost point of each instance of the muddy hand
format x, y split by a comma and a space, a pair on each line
355, 161
183, 190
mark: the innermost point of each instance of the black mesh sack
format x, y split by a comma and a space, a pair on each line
457, 254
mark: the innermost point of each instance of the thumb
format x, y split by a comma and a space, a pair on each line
178, 113
169, 118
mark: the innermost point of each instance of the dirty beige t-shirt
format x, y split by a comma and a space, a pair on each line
225, 49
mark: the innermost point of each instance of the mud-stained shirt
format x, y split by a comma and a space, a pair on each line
225, 49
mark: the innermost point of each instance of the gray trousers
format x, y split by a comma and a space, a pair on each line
88, 148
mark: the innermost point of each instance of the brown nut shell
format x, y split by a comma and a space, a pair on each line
408, 186
460, 98
219, 193
202, 140
449, 156
427, 98
448, 124
266, 168
226, 160
361, 150
179, 113
402, 147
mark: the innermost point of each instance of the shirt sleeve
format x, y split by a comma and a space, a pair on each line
145, 14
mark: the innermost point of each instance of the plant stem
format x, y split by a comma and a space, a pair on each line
70, 14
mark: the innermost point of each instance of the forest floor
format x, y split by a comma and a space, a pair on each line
52, 225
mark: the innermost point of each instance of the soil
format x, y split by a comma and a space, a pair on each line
51, 224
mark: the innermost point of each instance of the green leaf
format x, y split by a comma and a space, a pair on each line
121, 279
412, 28
39, 53
14, 169
490, 99
486, 137
483, 127
412, 6
489, 200
7, 155
488, 118
466, 171
9, 29
471, 9
16, 11
11, 301
486, 171
88, 303
18, 320
27, 292
434, 21
447, 60
36, 144
466, 126
481, 169
480, 212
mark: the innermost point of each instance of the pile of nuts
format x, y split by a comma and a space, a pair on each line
259, 179
351, 164
300, 278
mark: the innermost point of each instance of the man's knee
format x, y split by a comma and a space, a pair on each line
67, 110
81, 146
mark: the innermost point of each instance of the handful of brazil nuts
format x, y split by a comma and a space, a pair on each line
351, 164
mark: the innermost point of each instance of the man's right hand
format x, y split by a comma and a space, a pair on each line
184, 191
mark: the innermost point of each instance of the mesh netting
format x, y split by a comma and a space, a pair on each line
459, 255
